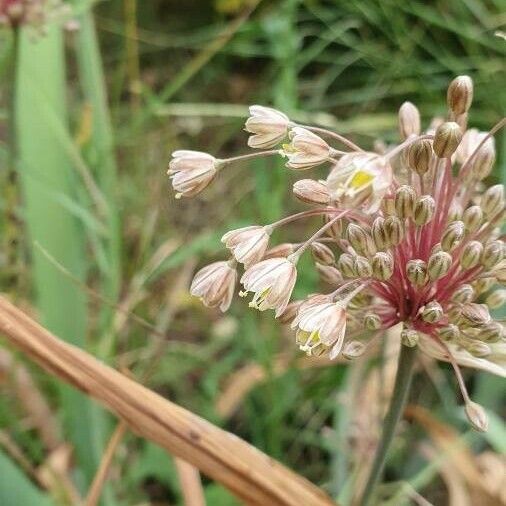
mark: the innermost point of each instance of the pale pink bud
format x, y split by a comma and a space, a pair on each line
214, 284
268, 126
248, 244
191, 171
477, 416
272, 283
321, 328
409, 120
311, 191
306, 149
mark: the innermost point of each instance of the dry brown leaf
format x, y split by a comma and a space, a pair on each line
248, 473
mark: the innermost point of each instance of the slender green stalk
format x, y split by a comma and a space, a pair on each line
399, 396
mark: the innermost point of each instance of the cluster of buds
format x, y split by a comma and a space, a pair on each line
33, 13
410, 236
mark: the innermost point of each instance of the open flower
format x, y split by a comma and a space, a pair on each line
306, 149
268, 126
191, 171
360, 178
247, 244
215, 283
321, 327
272, 282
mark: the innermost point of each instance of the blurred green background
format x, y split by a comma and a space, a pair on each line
89, 118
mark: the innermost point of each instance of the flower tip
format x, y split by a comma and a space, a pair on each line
477, 416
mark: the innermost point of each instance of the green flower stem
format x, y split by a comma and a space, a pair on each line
397, 402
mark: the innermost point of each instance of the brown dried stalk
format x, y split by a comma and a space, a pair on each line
191, 486
251, 475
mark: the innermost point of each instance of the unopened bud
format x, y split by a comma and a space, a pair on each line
449, 333
475, 314
405, 198
463, 294
500, 272
472, 218
424, 210
345, 265
492, 332
409, 337
438, 265
337, 227
496, 299
446, 139
492, 201
329, 274
460, 95
322, 253
432, 312
382, 266
455, 212
419, 156
379, 233
493, 253
388, 206
394, 230
362, 267
311, 191
416, 271
452, 235
471, 254
289, 314
479, 349
484, 160
281, 250
476, 416
483, 285
409, 120
360, 240
372, 321
353, 349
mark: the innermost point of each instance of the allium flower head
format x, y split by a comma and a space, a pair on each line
268, 126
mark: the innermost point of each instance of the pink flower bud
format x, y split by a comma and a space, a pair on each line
268, 126
247, 244
306, 149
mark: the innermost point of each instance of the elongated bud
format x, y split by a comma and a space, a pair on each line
500, 272
382, 266
471, 254
464, 294
492, 201
452, 235
484, 161
405, 198
424, 210
388, 206
472, 218
483, 285
353, 349
409, 120
432, 312
322, 253
479, 349
409, 337
446, 139
493, 253
394, 230
438, 265
492, 332
449, 333
416, 271
362, 267
372, 321
475, 314
477, 416
280, 250
496, 299
360, 239
311, 191
419, 156
289, 314
337, 228
345, 265
329, 274
379, 233
460, 95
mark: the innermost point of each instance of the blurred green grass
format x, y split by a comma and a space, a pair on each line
356, 62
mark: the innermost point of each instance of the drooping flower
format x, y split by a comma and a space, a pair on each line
215, 283
247, 244
191, 171
306, 149
272, 282
268, 126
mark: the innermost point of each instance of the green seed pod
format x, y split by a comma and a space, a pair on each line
394, 230
345, 265
405, 198
449, 333
464, 294
471, 254
493, 253
419, 156
382, 266
492, 201
360, 239
439, 264
472, 218
452, 235
496, 299
432, 312
424, 210
362, 267
409, 337
372, 321
446, 139
322, 253
416, 271
460, 95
